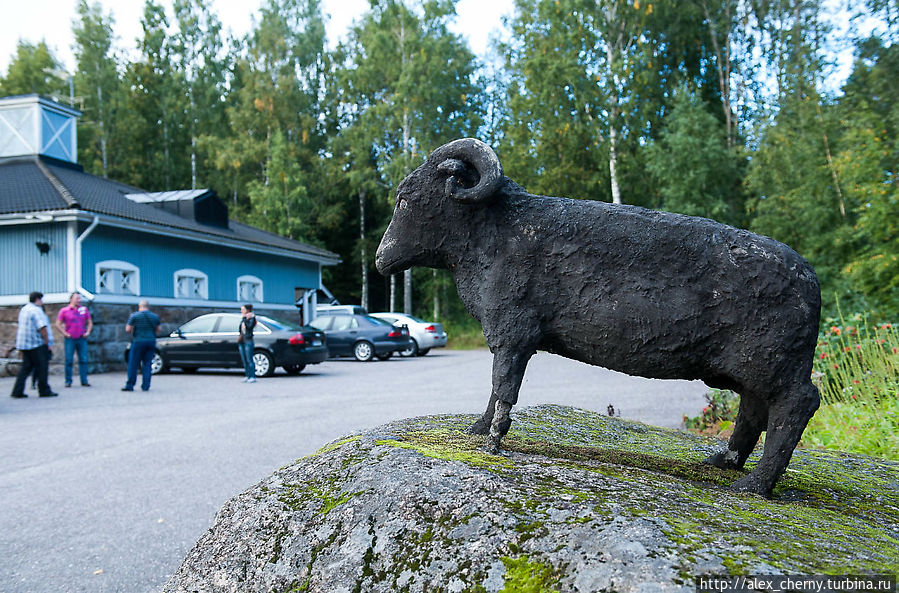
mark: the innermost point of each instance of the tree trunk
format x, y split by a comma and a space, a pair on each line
407, 292
102, 130
613, 127
436, 310
392, 292
723, 67
407, 275
363, 256
613, 156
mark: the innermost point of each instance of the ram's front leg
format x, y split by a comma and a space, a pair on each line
508, 371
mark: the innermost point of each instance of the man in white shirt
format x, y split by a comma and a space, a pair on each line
33, 339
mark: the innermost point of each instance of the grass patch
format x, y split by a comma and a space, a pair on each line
465, 336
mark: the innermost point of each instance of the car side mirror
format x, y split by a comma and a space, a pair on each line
176, 334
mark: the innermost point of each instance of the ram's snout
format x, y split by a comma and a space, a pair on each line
389, 257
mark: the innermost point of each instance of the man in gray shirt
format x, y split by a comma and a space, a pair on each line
143, 327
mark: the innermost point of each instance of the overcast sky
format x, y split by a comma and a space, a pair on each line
51, 21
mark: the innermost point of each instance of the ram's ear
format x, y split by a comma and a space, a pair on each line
453, 167
460, 175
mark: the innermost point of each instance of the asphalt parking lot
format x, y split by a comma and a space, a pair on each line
103, 491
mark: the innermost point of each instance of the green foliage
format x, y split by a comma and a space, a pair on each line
28, 72
97, 80
718, 416
282, 203
697, 173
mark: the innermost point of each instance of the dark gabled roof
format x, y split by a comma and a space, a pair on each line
40, 183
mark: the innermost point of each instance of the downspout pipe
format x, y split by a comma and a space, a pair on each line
78, 263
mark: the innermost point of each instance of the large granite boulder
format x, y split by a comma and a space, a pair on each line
583, 503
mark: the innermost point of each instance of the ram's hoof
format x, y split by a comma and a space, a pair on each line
494, 450
481, 427
752, 485
722, 460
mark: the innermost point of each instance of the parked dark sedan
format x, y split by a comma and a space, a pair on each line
211, 341
361, 336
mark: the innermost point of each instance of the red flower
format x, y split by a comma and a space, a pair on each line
858, 346
836, 366
846, 349
835, 330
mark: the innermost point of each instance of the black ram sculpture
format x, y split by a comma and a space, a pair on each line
647, 293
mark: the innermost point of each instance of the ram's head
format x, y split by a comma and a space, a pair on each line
433, 200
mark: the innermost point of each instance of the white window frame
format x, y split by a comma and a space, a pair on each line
258, 290
126, 270
199, 286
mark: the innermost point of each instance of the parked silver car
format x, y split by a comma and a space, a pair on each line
425, 334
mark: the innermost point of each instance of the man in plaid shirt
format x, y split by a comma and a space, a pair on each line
33, 341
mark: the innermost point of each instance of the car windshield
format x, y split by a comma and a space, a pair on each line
278, 323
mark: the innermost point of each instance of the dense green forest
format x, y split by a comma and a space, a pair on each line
716, 108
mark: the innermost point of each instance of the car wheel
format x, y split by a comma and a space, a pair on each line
294, 369
412, 350
158, 364
265, 365
384, 356
423, 352
363, 351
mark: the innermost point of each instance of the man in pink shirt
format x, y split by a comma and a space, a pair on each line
75, 323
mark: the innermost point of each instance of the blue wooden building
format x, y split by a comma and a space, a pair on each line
63, 230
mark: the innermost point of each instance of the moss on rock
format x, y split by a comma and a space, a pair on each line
583, 502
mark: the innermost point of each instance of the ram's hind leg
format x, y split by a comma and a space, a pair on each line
751, 420
790, 411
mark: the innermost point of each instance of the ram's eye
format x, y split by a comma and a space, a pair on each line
402, 205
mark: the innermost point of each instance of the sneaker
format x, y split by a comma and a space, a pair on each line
245, 380
17, 396
127, 388
68, 385
251, 380
51, 394
85, 384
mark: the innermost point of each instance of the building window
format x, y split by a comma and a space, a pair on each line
118, 277
191, 284
249, 289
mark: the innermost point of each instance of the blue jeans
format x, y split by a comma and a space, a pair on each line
73, 346
141, 354
246, 355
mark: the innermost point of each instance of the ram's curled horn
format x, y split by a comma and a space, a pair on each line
450, 158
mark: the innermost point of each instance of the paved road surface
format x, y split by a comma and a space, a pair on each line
103, 491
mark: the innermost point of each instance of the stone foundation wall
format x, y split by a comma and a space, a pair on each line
108, 340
